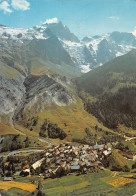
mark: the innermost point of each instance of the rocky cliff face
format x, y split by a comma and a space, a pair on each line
11, 93
43, 91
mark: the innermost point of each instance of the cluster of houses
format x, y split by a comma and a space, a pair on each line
64, 159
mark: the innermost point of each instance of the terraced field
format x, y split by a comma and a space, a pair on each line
104, 183
23, 186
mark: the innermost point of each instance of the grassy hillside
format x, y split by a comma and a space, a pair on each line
73, 119
117, 161
4, 130
121, 70
113, 87
8, 72
39, 66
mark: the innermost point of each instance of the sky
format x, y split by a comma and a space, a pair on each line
83, 17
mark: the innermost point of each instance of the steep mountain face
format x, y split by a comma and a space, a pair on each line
26, 52
32, 47
32, 91
11, 93
62, 32
13, 71
114, 87
35, 82
51, 50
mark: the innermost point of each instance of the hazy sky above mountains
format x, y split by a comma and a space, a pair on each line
83, 17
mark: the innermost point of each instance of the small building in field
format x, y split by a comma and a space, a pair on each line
75, 167
26, 167
26, 172
39, 163
96, 147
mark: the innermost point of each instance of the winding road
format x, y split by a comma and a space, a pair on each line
46, 141
21, 151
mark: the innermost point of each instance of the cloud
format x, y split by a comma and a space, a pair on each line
20, 4
53, 20
9, 5
5, 6
114, 18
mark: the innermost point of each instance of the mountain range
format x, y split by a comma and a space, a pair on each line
85, 54
41, 79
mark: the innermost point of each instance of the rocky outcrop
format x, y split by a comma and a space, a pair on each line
11, 93
35, 93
